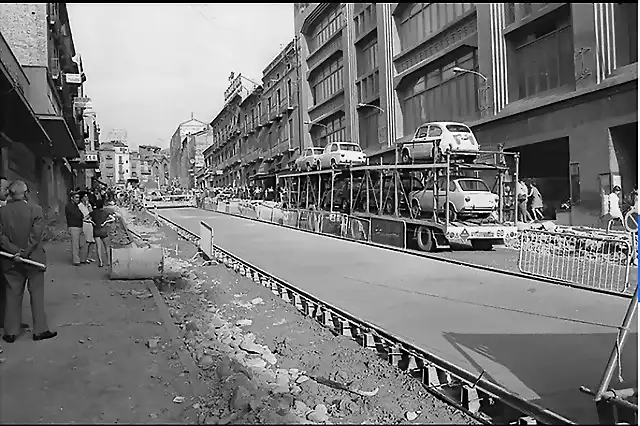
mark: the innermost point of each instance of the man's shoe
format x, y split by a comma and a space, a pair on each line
46, 335
25, 326
9, 338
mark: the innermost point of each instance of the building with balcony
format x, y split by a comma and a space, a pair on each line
134, 168
556, 82
107, 160
38, 35
257, 133
178, 140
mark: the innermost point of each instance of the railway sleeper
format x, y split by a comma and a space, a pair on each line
436, 380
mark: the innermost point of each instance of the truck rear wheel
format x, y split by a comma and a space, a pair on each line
425, 239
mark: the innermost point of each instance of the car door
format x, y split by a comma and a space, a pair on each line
335, 155
418, 145
326, 155
434, 136
425, 196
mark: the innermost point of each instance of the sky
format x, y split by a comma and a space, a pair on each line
149, 66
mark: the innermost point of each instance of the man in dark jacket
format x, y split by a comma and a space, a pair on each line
21, 234
74, 221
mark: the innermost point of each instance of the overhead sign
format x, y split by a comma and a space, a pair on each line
74, 78
90, 157
234, 88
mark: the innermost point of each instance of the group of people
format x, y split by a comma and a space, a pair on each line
530, 203
89, 215
22, 228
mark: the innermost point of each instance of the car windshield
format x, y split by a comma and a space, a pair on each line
473, 185
458, 128
350, 147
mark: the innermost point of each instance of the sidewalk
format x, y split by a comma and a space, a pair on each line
99, 368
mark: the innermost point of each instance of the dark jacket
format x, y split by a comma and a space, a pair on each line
21, 228
74, 215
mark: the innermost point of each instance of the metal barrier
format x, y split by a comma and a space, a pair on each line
206, 239
171, 201
591, 261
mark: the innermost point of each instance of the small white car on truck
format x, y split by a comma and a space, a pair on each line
432, 140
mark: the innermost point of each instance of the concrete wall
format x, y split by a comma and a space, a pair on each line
24, 26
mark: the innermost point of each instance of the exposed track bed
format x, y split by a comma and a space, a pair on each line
545, 340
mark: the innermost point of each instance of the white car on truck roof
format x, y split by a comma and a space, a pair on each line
341, 154
308, 159
434, 139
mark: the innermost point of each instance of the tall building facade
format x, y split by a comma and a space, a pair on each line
176, 144
41, 124
257, 132
556, 82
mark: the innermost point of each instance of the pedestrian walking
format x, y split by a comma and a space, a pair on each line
21, 234
102, 232
4, 194
614, 212
74, 218
87, 226
522, 193
535, 198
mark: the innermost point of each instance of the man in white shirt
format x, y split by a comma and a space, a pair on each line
522, 193
613, 203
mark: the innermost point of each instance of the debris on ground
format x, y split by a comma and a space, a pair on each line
258, 372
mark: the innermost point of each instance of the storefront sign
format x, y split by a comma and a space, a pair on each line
74, 78
389, 232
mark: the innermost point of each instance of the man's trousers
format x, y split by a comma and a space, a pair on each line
17, 277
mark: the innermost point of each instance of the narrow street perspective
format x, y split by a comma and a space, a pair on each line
319, 213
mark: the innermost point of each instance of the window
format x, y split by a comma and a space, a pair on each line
434, 131
328, 81
440, 95
368, 59
509, 13
418, 21
335, 131
626, 26
542, 61
278, 97
291, 135
334, 147
326, 28
289, 90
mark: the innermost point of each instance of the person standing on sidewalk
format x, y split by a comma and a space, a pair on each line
87, 225
74, 222
21, 234
102, 232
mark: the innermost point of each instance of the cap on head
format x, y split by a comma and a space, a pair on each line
616, 189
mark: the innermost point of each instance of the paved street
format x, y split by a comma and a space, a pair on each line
98, 369
540, 340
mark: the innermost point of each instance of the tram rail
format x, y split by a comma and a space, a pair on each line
486, 402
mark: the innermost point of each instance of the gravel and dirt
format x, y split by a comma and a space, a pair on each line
264, 362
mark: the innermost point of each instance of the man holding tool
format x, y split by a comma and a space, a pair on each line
23, 258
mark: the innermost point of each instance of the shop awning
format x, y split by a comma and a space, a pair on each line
63, 143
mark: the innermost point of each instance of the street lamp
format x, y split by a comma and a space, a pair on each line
313, 123
458, 70
361, 105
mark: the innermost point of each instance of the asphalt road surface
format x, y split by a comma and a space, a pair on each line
541, 341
